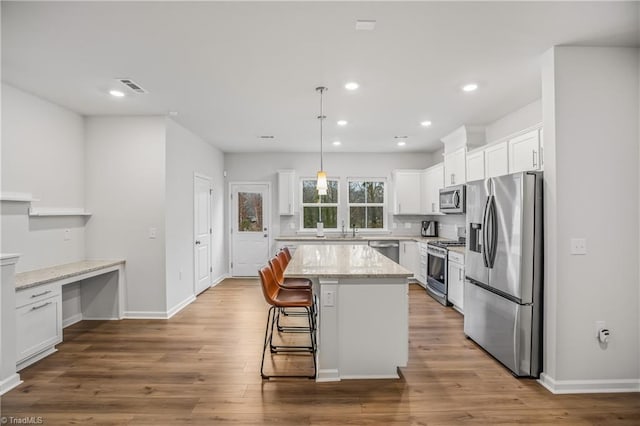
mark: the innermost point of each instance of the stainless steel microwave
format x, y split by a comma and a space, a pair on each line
452, 199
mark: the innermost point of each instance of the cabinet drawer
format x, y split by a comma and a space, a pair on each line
456, 257
36, 294
38, 326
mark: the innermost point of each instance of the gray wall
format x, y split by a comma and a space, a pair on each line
590, 111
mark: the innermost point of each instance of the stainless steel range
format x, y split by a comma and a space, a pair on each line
437, 286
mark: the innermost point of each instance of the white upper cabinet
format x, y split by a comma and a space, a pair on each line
407, 191
496, 160
455, 167
433, 181
475, 165
524, 152
286, 192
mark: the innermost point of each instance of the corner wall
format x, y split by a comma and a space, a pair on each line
188, 154
125, 174
591, 112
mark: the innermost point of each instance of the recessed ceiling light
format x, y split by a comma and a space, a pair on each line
425, 123
342, 122
365, 25
116, 93
352, 85
337, 143
402, 143
470, 87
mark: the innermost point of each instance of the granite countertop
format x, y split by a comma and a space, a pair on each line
329, 238
46, 275
342, 261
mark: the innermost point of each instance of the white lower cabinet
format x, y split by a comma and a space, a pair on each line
421, 275
455, 280
409, 256
38, 322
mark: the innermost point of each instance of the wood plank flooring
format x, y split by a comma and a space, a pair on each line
202, 367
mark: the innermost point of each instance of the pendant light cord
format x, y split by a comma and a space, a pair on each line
321, 117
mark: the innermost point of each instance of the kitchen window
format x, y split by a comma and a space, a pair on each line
315, 207
367, 207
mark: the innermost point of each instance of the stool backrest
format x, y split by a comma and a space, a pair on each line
269, 285
278, 270
282, 256
286, 251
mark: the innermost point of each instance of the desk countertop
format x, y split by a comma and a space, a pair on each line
342, 261
42, 276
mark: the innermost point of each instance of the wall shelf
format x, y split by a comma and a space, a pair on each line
55, 211
23, 197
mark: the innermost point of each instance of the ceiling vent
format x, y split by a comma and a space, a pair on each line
266, 137
135, 87
365, 25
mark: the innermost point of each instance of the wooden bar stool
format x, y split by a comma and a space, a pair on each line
279, 297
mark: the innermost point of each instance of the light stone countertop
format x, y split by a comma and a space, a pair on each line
457, 249
342, 261
330, 238
42, 276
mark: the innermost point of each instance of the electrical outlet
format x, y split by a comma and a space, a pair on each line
153, 233
395, 225
407, 225
329, 298
180, 275
292, 225
67, 234
578, 246
599, 326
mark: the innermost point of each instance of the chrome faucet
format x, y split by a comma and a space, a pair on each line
344, 231
354, 229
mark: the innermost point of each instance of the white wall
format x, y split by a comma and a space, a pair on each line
125, 181
523, 118
263, 166
42, 154
188, 154
590, 117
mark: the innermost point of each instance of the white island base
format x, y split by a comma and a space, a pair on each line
363, 327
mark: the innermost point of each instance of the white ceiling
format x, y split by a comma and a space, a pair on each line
238, 70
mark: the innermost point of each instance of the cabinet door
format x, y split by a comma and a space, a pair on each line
524, 152
454, 167
496, 160
434, 181
407, 188
286, 192
455, 280
38, 326
409, 256
475, 166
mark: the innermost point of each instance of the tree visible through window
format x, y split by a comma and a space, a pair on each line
366, 204
316, 207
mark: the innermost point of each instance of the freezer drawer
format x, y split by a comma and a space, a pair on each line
503, 328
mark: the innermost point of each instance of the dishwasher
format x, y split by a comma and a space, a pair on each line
389, 248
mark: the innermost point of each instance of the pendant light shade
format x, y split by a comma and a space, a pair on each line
321, 177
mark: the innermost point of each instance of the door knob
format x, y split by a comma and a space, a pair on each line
265, 235
197, 241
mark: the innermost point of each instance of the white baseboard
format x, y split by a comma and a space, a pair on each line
180, 306
220, 279
145, 315
589, 386
328, 375
35, 358
72, 320
9, 383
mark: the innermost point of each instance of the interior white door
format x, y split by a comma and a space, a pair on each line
249, 228
202, 195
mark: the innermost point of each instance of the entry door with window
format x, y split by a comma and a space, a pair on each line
249, 228
202, 233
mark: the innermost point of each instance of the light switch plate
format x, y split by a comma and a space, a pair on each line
395, 225
67, 234
292, 225
407, 225
578, 246
152, 233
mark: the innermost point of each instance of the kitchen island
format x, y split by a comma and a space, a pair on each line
363, 324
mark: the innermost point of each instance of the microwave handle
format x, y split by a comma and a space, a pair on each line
456, 199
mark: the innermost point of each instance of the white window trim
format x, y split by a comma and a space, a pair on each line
385, 217
301, 228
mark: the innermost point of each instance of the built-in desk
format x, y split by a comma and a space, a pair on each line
39, 303
363, 327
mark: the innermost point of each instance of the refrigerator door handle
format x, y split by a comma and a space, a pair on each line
485, 234
494, 231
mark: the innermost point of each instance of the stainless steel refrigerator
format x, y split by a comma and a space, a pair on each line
503, 269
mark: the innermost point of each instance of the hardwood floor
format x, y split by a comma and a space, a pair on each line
202, 367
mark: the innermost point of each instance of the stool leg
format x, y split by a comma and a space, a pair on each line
267, 338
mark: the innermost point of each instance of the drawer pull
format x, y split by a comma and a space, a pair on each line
41, 306
40, 294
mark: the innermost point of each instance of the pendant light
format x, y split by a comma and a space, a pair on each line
321, 178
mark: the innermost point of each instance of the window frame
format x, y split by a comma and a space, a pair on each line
301, 227
383, 204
